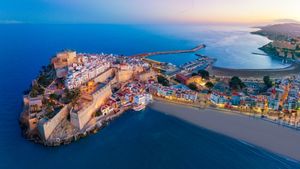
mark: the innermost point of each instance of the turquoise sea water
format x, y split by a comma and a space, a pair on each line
136, 140
232, 46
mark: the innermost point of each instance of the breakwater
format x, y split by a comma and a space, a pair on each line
195, 49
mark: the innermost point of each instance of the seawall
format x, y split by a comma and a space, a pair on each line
46, 127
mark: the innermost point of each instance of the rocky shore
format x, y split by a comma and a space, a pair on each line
36, 138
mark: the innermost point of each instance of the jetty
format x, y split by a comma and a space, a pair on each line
143, 55
261, 54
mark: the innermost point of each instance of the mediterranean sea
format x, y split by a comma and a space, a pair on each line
147, 139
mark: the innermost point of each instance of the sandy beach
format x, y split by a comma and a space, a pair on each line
293, 69
272, 137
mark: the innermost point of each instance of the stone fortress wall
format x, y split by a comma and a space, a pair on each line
81, 118
105, 75
146, 75
124, 75
46, 127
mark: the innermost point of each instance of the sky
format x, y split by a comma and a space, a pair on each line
147, 11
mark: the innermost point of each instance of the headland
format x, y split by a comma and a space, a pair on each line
79, 93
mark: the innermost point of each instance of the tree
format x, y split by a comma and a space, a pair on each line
46, 75
72, 96
43, 80
236, 83
36, 90
268, 82
98, 113
54, 96
193, 86
162, 80
194, 74
209, 85
204, 74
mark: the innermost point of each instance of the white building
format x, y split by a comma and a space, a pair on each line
139, 99
83, 74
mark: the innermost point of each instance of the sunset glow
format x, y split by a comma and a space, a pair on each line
145, 11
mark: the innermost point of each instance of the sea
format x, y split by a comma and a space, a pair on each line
136, 140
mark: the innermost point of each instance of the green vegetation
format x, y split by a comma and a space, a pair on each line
98, 113
193, 86
36, 90
209, 85
49, 105
236, 83
52, 112
71, 96
204, 74
46, 76
268, 82
54, 96
49, 108
162, 80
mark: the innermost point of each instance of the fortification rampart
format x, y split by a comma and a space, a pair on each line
46, 127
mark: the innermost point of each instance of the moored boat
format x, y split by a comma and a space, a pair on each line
139, 107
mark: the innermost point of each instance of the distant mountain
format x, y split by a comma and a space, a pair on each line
282, 31
281, 21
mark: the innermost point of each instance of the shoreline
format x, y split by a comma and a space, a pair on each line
102, 123
272, 137
292, 69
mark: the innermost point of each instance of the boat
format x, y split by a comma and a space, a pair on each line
139, 107
199, 55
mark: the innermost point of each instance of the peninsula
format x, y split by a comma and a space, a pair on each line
77, 94
80, 93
